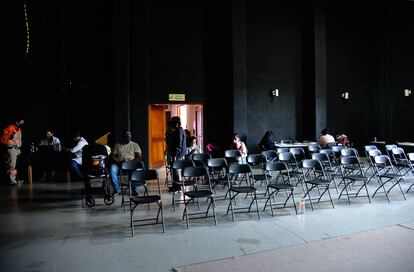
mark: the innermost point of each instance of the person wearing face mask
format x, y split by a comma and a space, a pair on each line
12, 142
126, 150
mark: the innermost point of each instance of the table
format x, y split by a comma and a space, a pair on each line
300, 145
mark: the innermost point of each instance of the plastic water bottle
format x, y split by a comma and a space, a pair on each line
301, 208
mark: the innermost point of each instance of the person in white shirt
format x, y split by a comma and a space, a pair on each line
325, 138
51, 140
76, 161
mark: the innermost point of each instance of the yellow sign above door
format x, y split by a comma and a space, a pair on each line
176, 97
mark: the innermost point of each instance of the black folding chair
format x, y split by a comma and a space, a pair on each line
200, 159
315, 177
128, 167
352, 173
386, 173
237, 170
180, 183
270, 155
277, 181
142, 177
197, 173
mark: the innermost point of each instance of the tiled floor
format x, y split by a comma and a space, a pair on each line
45, 228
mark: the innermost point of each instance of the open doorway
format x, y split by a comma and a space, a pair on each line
191, 116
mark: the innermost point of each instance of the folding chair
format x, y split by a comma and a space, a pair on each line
371, 155
327, 166
298, 153
313, 148
128, 167
257, 162
388, 149
196, 173
141, 177
277, 181
270, 155
352, 173
337, 152
218, 170
180, 183
411, 163
315, 177
401, 161
236, 170
200, 159
385, 173
293, 166
232, 156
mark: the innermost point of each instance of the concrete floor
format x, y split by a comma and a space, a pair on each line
45, 228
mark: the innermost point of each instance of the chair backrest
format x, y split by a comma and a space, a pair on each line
328, 152
217, 162
195, 171
311, 164
298, 153
181, 164
411, 157
132, 165
276, 166
144, 176
201, 157
382, 160
269, 154
351, 161
323, 157
239, 168
372, 154
314, 148
282, 149
349, 152
256, 160
389, 148
232, 153
330, 145
287, 157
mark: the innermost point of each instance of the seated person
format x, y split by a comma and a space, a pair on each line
126, 150
192, 148
343, 140
47, 148
267, 142
238, 144
325, 138
214, 150
76, 161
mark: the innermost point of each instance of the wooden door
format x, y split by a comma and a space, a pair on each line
156, 135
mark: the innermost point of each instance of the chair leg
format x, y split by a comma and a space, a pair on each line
162, 216
214, 210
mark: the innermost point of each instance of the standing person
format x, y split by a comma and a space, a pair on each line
126, 150
325, 138
178, 145
12, 141
76, 161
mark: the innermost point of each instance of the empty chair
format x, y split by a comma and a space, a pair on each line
128, 167
200, 159
258, 163
313, 148
330, 145
351, 152
386, 173
330, 172
244, 170
315, 177
298, 153
411, 163
367, 148
371, 155
401, 161
277, 181
196, 173
232, 156
270, 155
181, 183
388, 149
293, 166
352, 174
141, 177
337, 152
218, 172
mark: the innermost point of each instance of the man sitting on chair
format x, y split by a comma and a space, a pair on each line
127, 150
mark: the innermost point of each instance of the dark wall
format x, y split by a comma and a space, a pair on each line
63, 81
274, 61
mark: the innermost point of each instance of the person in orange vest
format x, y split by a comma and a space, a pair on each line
12, 141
